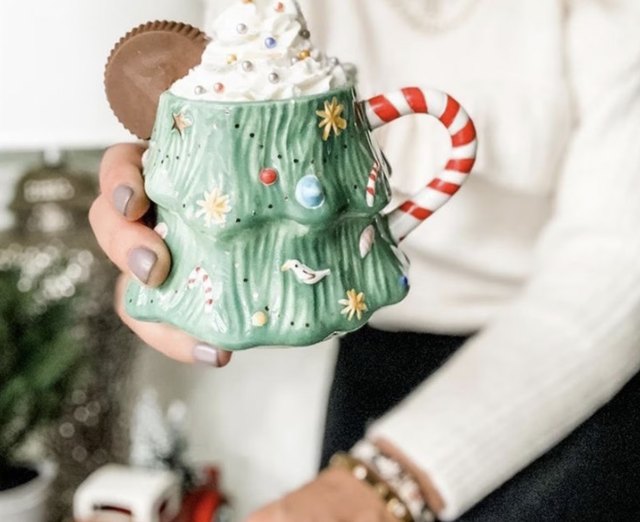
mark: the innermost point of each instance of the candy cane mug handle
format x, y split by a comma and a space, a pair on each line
384, 109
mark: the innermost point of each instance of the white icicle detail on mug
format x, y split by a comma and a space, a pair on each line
367, 238
162, 230
303, 273
200, 277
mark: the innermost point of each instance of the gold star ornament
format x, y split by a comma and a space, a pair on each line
214, 207
332, 121
181, 123
353, 305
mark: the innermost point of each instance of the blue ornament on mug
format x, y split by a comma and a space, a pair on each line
309, 192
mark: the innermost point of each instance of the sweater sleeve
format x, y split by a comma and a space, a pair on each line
571, 339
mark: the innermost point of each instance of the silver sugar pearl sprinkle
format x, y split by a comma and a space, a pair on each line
199, 90
334, 61
305, 34
242, 28
274, 77
247, 66
294, 60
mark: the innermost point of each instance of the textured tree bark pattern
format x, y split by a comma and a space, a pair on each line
215, 151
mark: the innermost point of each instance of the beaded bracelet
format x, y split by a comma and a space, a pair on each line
402, 482
363, 473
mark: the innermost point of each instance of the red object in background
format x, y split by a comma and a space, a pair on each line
203, 504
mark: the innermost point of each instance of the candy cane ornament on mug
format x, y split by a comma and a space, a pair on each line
384, 109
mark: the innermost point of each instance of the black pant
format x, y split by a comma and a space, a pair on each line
592, 475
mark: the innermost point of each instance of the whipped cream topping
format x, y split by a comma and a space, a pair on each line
261, 50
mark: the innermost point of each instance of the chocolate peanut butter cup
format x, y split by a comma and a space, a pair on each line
144, 64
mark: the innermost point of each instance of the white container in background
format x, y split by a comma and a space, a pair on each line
27, 503
146, 495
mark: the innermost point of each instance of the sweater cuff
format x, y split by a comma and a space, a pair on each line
498, 404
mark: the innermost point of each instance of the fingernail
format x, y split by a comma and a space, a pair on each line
121, 197
206, 354
141, 262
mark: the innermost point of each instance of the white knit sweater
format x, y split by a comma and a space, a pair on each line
541, 249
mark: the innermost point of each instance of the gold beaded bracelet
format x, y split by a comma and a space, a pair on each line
363, 473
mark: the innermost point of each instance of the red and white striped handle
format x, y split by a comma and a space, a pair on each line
384, 109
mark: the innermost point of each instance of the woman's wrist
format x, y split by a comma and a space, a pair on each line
383, 453
386, 493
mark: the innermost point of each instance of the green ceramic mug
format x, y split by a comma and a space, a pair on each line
273, 213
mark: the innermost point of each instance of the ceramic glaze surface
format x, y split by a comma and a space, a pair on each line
272, 220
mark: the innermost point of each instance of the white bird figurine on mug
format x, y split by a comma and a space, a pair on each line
303, 273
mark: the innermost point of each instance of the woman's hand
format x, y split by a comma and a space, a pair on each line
116, 218
335, 496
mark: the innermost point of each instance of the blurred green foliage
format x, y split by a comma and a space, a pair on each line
40, 357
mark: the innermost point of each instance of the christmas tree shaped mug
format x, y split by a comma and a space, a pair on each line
269, 189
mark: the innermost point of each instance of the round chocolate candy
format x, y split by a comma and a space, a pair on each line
144, 64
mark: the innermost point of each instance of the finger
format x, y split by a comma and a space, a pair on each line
133, 247
268, 513
121, 180
167, 339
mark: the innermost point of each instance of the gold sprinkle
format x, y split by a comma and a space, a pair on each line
232, 58
259, 319
304, 54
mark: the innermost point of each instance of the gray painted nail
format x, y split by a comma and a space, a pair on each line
141, 262
121, 197
206, 354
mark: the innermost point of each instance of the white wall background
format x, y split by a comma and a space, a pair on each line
52, 58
